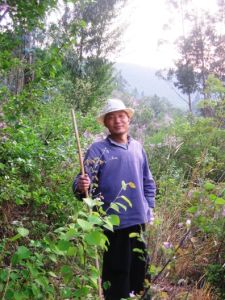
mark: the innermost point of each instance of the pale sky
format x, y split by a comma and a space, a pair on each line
140, 40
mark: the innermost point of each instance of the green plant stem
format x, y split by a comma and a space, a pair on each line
7, 282
114, 200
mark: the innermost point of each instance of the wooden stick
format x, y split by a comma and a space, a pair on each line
78, 141
86, 193
78, 146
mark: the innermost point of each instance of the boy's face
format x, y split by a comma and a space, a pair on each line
117, 122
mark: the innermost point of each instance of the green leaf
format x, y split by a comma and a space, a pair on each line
108, 226
2, 166
127, 200
134, 234
131, 185
95, 238
153, 269
122, 205
21, 253
88, 201
35, 290
33, 270
85, 225
212, 197
83, 24
4, 275
42, 281
192, 209
23, 231
14, 276
63, 245
58, 230
208, 186
9, 294
114, 219
115, 207
15, 237
95, 220
71, 233
72, 251
124, 186
52, 274
81, 293
53, 257
138, 250
20, 295
220, 201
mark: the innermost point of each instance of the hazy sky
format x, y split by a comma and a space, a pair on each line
146, 19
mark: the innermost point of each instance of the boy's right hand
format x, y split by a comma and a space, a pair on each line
83, 183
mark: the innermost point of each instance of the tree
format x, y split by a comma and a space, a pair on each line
86, 27
201, 51
74, 51
91, 84
214, 104
18, 22
98, 37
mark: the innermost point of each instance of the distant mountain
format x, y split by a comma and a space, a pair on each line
145, 81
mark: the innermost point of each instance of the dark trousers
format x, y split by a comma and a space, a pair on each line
123, 268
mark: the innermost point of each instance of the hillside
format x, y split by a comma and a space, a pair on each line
145, 80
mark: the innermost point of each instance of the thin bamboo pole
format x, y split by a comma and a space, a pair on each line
86, 193
78, 141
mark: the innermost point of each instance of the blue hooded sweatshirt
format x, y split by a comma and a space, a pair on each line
119, 172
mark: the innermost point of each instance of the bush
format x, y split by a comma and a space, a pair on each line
216, 277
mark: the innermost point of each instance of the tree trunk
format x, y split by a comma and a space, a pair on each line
190, 104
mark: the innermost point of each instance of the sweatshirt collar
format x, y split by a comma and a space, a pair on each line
124, 146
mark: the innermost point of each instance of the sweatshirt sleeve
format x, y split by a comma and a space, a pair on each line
149, 183
91, 167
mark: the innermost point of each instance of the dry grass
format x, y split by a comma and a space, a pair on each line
184, 276
164, 290
202, 294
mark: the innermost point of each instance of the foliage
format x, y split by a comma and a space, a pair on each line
201, 51
187, 160
88, 73
216, 276
153, 114
75, 49
184, 147
98, 38
27, 14
48, 238
87, 85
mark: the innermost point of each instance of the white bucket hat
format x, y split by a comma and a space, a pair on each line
114, 105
